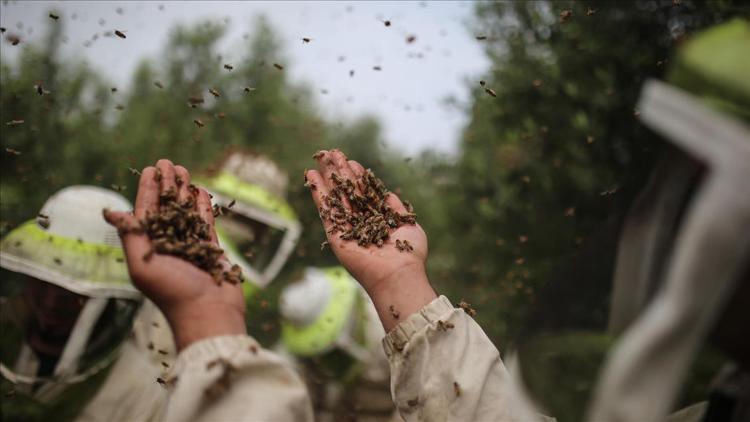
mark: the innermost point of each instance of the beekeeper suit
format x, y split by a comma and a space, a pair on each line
331, 332
67, 307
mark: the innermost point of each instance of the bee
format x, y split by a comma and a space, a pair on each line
387, 23
490, 91
410, 39
481, 37
214, 92
323, 245
444, 325
198, 122
231, 203
134, 172
351, 73
13, 39
467, 308
159, 85
162, 352
520, 261
39, 88
12, 151
2, 30
590, 11
378, 68
228, 67
565, 14
537, 83
253, 349
165, 364
589, 139
161, 382
482, 83
278, 66
413, 402
394, 313
457, 389
120, 107
220, 115
248, 89
58, 261
120, 34
113, 89
318, 155
306, 40
570, 212
523, 238
14, 122
43, 220
54, 16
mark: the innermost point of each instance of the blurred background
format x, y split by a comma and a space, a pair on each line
522, 187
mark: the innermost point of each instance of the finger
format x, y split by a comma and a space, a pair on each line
333, 166
147, 198
168, 182
182, 179
395, 203
357, 169
319, 190
203, 206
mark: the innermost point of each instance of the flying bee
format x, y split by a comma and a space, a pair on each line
119, 107
565, 14
13, 39
378, 68
457, 389
12, 151
228, 67
120, 34
14, 123
113, 89
54, 16
351, 73
387, 23
214, 92
119, 188
481, 37
410, 39
482, 83
590, 11
159, 85
248, 89
231, 203
306, 40
278, 66
490, 91
198, 122
43, 220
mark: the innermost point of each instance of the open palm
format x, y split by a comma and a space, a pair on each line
370, 265
188, 296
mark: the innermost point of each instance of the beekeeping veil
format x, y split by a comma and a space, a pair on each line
686, 243
258, 229
70, 246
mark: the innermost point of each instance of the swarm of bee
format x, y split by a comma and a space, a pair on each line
178, 230
370, 219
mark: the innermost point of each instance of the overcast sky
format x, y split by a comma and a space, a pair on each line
407, 95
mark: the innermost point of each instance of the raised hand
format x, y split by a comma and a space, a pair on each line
195, 305
395, 279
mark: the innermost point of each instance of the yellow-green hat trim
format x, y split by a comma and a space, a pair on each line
232, 187
46, 256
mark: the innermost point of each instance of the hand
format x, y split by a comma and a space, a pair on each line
395, 280
194, 304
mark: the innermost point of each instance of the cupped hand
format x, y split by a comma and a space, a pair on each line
395, 279
195, 305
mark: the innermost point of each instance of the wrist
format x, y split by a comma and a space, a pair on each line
402, 294
194, 322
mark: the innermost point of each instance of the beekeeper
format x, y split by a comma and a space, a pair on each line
67, 307
331, 332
